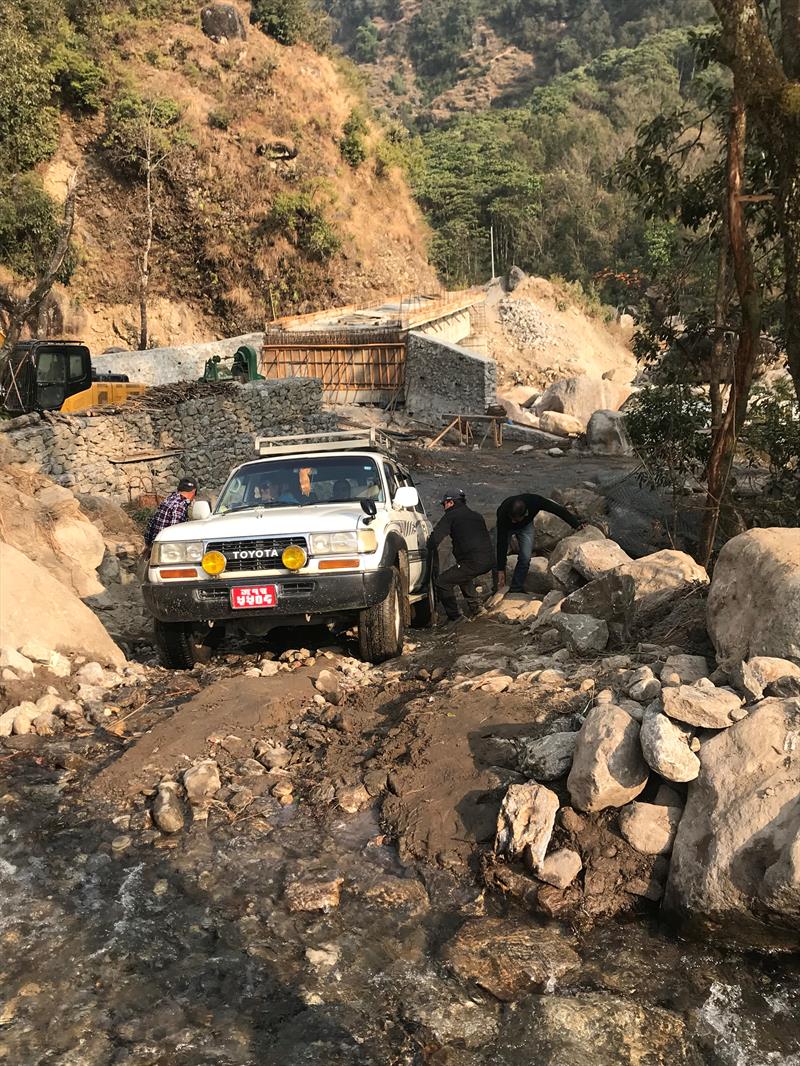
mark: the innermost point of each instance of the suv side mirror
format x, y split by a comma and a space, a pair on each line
406, 497
199, 509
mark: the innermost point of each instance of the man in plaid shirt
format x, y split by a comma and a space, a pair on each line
172, 511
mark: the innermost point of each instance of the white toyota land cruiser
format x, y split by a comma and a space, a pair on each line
323, 528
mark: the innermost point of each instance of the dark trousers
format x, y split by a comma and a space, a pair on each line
463, 577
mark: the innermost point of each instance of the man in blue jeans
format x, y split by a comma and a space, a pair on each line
515, 518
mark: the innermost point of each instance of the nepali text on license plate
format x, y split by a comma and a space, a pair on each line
254, 596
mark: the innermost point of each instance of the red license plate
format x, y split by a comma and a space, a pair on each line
250, 596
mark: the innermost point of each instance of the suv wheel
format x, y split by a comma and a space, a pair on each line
180, 646
423, 613
381, 628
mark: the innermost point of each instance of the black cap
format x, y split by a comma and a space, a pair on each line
454, 494
187, 484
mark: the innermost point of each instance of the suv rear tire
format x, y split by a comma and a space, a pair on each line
180, 646
381, 628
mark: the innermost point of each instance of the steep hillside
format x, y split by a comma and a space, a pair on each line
274, 194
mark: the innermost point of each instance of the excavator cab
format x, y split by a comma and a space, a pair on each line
57, 375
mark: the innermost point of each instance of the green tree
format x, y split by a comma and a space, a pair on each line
290, 21
366, 42
28, 122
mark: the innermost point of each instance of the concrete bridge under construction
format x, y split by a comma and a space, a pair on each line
427, 353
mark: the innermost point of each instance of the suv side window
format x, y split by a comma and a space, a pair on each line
406, 479
392, 478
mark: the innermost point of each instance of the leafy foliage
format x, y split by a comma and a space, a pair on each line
366, 42
29, 226
290, 21
352, 144
79, 78
303, 222
28, 123
772, 433
130, 119
438, 36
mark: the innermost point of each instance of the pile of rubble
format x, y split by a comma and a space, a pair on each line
525, 325
698, 761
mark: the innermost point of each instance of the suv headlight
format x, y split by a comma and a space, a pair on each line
334, 543
168, 552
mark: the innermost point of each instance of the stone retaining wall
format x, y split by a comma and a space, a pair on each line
121, 454
444, 378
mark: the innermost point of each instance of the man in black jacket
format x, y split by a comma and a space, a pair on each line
472, 548
515, 518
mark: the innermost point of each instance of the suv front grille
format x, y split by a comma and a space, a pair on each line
261, 554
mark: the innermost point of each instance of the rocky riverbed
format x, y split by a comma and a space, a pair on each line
278, 922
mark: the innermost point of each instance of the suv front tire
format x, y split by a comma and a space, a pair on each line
381, 628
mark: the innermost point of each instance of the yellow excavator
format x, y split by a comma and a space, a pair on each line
57, 375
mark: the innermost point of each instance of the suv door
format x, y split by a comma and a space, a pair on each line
415, 527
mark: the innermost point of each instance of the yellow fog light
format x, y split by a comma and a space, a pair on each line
294, 557
214, 563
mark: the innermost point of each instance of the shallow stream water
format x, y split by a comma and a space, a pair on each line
187, 955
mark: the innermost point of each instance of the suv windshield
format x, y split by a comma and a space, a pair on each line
303, 482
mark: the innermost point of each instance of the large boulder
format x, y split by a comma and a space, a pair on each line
607, 768
754, 601
606, 434
34, 604
661, 578
735, 857
546, 758
753, 677
222, 22
560, 424
581, 633
594, 558
582, 396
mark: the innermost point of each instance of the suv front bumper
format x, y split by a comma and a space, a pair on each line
315, 594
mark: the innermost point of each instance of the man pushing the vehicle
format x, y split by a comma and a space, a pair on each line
515, 517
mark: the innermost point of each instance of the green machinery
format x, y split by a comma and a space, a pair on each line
243, 367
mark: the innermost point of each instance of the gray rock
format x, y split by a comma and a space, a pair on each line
201, 781
684, 669
754, 600
609, 597
546, 758
560, 868
449, 1016
665, 746
222, 22
734, 861
702, 705
751, 678
650, 827
168, 813
606, 434
582, 633
525, 823
607, 767
328, 684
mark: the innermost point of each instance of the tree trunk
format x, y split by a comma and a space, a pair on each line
18, 311
724, 440
144, 269
722, 301
789, 215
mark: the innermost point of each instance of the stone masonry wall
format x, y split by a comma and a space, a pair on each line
117, 454
444, 379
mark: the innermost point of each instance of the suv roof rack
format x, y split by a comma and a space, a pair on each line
333, 441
